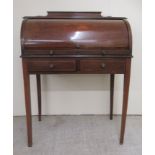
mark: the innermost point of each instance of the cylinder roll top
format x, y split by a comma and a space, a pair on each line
81, 34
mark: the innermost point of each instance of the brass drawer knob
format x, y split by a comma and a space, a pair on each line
103, 52
103, 65
77, 46
51, 66
51, 52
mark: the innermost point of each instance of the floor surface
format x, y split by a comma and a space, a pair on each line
78, 135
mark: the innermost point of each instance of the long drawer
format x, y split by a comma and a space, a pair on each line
54, 52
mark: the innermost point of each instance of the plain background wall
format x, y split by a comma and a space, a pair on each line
79, 94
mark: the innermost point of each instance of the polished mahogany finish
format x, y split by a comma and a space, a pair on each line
74, 34
75, 43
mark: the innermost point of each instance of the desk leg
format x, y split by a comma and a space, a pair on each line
125, 99
27, 103
112, 76
39, 95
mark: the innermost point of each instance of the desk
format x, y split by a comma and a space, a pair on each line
75, 43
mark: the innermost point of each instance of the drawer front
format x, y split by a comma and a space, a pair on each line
102, 66
104, 52
101, 52
51, 52
53, 65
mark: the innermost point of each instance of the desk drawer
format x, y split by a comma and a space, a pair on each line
53, 65
77, 51
102, 66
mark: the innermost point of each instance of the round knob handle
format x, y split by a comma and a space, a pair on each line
51, 66
103, 65
77, 46
103, 52
51, 52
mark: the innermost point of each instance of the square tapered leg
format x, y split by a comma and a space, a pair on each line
39, 95
125, 99
27, 103
112, 76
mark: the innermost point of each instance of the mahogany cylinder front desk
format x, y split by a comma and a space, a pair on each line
75, 43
